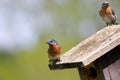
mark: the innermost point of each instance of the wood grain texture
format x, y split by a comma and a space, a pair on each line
91, 48
112, 72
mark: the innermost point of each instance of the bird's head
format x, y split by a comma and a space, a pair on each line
105, 4
52, 42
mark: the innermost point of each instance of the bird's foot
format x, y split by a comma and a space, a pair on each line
53, 61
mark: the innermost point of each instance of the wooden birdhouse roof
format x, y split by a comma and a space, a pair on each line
90, 49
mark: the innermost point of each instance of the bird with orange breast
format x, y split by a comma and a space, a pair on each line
54, 51
107, 14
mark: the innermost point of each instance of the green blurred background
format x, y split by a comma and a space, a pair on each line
25, 26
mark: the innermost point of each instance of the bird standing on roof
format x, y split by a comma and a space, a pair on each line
54, 51
107, 14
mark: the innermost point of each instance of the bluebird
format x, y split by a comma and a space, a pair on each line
107, 14
54, 51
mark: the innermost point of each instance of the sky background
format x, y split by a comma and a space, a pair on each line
25, 26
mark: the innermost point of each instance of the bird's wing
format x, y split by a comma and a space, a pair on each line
113, 12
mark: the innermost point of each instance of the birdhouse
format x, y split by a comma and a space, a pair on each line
97, 57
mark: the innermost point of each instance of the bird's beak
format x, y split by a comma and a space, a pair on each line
47, 42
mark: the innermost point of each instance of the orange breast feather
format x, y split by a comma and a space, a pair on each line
109, 11
54, 51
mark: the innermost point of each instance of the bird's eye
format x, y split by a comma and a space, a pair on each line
104, 3
51, 41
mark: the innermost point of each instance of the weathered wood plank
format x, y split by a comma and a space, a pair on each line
91, 48
112, 72
94, 46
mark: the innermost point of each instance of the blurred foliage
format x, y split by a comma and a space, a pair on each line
33, 65
67, 16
